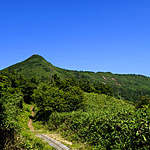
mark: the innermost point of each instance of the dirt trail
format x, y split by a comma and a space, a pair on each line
51, 141
30, 121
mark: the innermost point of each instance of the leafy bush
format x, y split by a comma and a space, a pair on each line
9, 126
51, 99
142, 102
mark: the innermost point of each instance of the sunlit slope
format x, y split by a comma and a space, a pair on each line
34, 65
105, 123
127, 86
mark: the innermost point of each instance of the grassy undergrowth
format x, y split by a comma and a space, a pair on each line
105, 123
31, 141
43, 128
29, 138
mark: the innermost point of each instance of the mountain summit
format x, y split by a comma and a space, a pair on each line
34, 65
129, 86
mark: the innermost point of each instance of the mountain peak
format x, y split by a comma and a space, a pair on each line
131, 84
35, 56
34, 65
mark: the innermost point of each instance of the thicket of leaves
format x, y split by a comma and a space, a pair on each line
13, 91
105, 124
57, 96
10, 102
142, 102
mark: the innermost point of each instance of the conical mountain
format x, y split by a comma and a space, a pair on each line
128, 86
34, 66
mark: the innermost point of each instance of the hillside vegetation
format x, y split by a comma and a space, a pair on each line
98, 121
80, 111
105, 123
128, 87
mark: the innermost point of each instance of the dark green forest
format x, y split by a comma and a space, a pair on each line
103, 110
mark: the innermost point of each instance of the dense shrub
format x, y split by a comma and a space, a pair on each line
9, 127
142, 102
51, 99
11, 99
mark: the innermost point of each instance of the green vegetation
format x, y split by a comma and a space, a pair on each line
14, 114
129, 87
84, 107
64, 95
105, 123
10, 103
102, 122
50, 99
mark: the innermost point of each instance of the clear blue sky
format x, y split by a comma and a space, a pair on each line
88, 35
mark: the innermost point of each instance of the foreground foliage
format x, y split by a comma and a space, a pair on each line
111, 124
14, 132
10, 103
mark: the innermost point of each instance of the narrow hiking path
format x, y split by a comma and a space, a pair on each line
52, 142
30, 121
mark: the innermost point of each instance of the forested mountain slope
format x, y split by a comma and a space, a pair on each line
127, 86
78, 110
